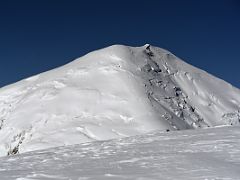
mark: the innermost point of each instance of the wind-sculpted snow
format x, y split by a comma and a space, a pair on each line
112, 93
208, 154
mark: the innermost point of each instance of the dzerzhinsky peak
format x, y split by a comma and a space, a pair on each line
115, 92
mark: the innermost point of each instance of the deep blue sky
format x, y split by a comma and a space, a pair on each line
39, 35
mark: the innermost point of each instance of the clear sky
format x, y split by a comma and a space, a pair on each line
39, 35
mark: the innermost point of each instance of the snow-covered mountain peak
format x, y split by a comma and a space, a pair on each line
114, 92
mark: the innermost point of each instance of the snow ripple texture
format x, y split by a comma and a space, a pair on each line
204, 154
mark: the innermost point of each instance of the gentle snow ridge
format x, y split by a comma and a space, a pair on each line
206, 154
115, 92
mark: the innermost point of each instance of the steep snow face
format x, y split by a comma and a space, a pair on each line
204, 154
114, 92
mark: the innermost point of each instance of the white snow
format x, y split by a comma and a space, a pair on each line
114, 92
206, 154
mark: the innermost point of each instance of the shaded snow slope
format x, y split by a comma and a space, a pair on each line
111, 93
206, 154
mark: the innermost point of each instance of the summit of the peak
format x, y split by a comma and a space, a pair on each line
147, 45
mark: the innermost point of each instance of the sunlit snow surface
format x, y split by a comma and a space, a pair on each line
115, 92
211, 154
109, 99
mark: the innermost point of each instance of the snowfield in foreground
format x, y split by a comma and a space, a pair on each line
115, 92
206, 154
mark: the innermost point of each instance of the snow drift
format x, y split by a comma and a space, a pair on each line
203, 154
114, 92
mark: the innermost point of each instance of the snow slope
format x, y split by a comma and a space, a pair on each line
114, 92
204, 154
